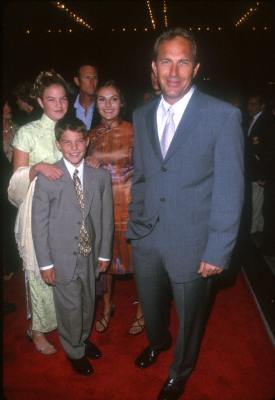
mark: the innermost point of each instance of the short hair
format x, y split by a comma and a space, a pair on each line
171, 34
257, 95
70, 123
86, 65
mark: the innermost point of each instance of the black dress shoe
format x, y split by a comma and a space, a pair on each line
92, 351
172, 389
82, 366
150, 354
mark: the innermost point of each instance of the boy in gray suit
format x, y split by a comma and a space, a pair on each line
72, 223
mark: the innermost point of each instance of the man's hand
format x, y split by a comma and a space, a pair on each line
103, 265
207, 270
48, 276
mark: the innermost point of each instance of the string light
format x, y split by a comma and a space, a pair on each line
165, 14
248, 14
150, 14
71, 14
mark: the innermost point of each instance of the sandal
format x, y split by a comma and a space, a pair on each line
47, 348
137, 326
103, 323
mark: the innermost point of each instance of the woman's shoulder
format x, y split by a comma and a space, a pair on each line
25, 135
127, 127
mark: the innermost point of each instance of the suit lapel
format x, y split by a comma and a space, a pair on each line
151, 125
185, 128
88, 189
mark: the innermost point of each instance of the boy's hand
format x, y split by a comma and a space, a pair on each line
48, 276
103, 265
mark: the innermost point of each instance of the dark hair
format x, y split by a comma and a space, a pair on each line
112, 83
85, 65
46, 79
70, 123
24, 92
171, 34
259, 95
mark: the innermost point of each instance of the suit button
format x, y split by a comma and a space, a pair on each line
79, 223
162, 199
75, 253
76, 237
163, 169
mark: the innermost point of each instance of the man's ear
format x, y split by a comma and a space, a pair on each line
154, 68
76, 81
87, 141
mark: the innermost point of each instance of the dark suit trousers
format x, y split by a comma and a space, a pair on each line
156, 289
74, 304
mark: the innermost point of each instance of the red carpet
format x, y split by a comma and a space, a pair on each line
237, 360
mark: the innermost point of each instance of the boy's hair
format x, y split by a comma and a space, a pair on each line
69, 123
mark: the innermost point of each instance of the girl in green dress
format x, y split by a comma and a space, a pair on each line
34, 152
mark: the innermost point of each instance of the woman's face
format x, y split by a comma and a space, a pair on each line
108, 103
54, 102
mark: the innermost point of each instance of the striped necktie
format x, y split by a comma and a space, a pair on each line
84, 238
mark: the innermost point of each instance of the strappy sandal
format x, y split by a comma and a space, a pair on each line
102, 324
137, 326
47, 349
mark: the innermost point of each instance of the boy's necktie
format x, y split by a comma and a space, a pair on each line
84, 238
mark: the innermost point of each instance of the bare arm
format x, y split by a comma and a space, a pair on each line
21, 159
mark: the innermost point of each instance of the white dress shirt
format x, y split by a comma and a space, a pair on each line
254, 119
178, 110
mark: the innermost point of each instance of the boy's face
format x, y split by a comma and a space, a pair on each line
73, 146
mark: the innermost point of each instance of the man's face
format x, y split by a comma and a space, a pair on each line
73, 146
175, 68
86, 80
254, 106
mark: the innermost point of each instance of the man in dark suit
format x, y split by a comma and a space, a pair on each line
72, 224
86, 81
187, 194
260, 169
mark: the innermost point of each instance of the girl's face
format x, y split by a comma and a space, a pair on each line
108, 103
54, 102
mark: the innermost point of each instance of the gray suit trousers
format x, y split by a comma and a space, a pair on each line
156, 290
74, 304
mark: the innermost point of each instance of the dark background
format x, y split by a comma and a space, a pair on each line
233, 59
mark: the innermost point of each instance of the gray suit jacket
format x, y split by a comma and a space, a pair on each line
56, 220
196, 192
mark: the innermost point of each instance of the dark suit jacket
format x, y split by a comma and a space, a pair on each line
260, 148
196, 192
56, 220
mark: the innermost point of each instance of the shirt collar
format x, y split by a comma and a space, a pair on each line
48, 122
77, 104
71, 168
256, 116
180, 104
